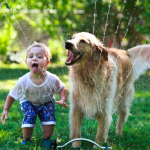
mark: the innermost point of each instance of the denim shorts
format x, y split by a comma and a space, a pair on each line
45, 113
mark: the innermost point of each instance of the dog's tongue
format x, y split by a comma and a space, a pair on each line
34, 69
70, 58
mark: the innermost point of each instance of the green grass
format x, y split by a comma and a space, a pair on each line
136, 131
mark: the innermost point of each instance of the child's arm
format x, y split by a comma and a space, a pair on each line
63, 98
8, 103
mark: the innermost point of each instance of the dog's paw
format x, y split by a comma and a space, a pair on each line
95, 147
76, 144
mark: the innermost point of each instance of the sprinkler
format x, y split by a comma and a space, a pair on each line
54, 143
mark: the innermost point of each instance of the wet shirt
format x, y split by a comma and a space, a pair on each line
26, 90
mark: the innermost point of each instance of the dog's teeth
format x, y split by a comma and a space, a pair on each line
69, 62
77, 56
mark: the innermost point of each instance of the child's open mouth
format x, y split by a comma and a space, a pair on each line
34, 67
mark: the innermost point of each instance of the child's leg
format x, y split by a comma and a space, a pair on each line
27, 133
48, 131
29, 120
47, 118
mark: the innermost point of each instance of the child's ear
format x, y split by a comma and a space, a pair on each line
48, 62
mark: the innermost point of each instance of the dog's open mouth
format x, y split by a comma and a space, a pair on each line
73, 57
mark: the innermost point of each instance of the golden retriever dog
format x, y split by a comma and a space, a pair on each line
101, 81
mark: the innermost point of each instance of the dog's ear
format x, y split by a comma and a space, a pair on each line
103, 51
105, 54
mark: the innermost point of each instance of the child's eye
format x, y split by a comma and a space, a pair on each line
31, 56
39, 56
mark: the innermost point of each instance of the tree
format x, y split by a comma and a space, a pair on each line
119, 23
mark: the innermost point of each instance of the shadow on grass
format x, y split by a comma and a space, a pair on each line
142, 83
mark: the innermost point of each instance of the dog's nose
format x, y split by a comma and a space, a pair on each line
68, 45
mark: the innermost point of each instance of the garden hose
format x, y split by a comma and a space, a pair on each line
83, 139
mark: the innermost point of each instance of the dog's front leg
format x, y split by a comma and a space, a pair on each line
104, 122
75, 125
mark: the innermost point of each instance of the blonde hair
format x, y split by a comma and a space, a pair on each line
36, 44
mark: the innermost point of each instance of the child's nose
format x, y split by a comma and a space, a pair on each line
34, 57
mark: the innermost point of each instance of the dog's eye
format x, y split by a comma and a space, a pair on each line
83, 41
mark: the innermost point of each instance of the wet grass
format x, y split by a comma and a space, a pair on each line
136, 131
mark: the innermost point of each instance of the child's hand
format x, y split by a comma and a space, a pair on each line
62, 102
4, 116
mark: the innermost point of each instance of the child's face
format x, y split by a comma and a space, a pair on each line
37, 60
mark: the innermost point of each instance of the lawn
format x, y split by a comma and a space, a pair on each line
136, 131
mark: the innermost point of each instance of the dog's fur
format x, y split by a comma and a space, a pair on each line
101, 80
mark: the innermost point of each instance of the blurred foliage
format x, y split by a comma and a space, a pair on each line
119, 23
5, 41
55, 50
